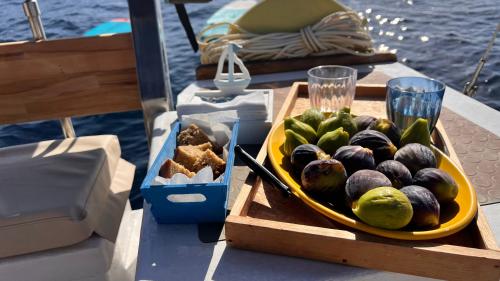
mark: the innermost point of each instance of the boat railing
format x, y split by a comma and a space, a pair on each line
32, 12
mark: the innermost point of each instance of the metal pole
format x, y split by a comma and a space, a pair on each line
32, 12
186, 23
151, 60
470, 87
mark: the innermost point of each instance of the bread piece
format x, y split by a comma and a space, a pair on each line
204, 146
187, 155
209, 158
192, 135
170, 167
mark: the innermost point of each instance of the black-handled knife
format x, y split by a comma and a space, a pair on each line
262, 171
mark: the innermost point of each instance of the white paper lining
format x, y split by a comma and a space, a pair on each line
217, 126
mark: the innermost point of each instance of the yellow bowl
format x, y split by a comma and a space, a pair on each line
454, 217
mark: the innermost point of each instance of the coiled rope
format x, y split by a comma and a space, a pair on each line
338, 33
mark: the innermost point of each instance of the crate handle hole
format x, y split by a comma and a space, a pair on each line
186, 198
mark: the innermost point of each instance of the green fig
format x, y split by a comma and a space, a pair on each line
333, 140
418, 132
384, 207
312, 117
301, 128
342, 119
292, 141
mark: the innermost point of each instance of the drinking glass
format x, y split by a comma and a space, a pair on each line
410, 98
331, 87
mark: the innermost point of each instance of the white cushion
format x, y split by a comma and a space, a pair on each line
57, 193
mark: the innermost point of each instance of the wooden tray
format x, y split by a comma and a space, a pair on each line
262, 220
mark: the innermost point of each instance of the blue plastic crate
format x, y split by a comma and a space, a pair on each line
212, 203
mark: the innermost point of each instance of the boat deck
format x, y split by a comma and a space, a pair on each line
175, 252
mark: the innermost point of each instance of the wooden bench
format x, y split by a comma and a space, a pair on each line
67, 77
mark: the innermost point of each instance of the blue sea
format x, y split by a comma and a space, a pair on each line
442, 39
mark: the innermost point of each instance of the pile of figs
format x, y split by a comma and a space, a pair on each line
386, 178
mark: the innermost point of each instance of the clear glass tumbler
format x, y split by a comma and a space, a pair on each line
331, 87
410, 98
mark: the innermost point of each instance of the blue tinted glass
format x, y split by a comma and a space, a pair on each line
410, 98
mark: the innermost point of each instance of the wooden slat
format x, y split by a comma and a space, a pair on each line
241, 204
67, 77
418, 258
204, 72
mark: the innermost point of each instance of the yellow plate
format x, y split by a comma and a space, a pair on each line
454, 217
